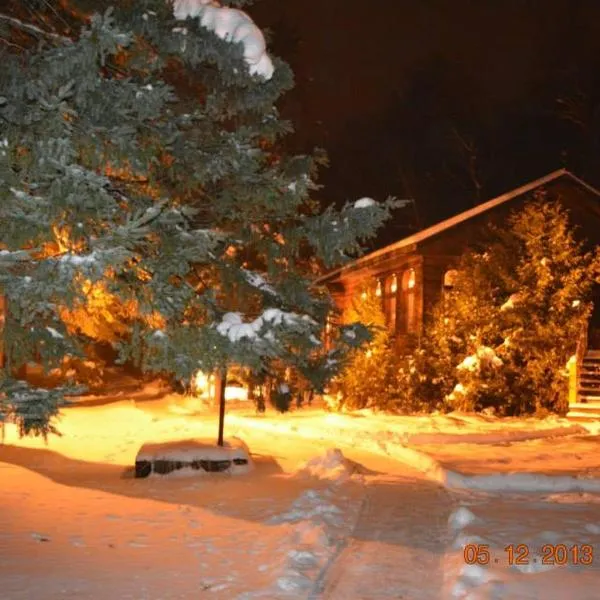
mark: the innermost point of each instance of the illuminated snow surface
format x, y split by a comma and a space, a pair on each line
345, 507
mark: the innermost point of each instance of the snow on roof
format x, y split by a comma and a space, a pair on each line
461, 217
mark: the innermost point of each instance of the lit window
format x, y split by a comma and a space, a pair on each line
409, 281
390, 302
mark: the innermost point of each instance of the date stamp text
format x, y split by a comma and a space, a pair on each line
523, 554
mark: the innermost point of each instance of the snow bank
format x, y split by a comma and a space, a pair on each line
363, 433
498, 543
319, 527
332, 466
463, 580
498, 482
573, 498
321, 522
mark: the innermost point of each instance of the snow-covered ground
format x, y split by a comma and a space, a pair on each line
338, 506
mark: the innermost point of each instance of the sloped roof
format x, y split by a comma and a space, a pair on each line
461, 217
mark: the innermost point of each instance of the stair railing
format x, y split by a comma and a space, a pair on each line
575, 363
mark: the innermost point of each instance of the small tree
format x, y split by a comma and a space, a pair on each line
367, 380
503, 336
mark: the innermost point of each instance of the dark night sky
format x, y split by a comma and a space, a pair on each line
397, 91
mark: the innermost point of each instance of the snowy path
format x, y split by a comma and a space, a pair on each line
398, 545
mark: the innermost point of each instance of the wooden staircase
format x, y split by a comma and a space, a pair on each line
587, 407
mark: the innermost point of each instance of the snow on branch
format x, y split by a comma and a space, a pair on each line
232, 25
32, 29
364, 203
256, 280
233, 326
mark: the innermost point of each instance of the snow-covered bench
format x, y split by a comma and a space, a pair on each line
189, 456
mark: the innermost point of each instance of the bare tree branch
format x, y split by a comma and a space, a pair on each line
576, 110
53, 9
34, 30
470, 152
11, 44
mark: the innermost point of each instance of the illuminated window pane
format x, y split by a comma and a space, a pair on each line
409, 280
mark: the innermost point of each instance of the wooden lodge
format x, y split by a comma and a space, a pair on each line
411, 274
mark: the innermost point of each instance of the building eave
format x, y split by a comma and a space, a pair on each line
415, 239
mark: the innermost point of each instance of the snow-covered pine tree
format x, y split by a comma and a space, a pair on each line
503, 336
140, 163
549, 307
464, 320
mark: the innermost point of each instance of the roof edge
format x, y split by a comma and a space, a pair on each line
459, 218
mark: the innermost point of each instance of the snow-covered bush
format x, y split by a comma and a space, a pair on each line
481, 381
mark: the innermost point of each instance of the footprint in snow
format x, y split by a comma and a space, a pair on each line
77, 541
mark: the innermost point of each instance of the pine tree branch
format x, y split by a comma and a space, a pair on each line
34, 30
11, 44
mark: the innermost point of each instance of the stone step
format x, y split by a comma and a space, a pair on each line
587, 372
588, 398
593, 352
582, 419
585, 407
586, 390
585, 402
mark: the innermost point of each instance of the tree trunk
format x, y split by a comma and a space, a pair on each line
220, 385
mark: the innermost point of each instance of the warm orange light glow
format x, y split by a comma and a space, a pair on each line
394, 284
411, 280
203, 386
363, 296
378, 290
123, 173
